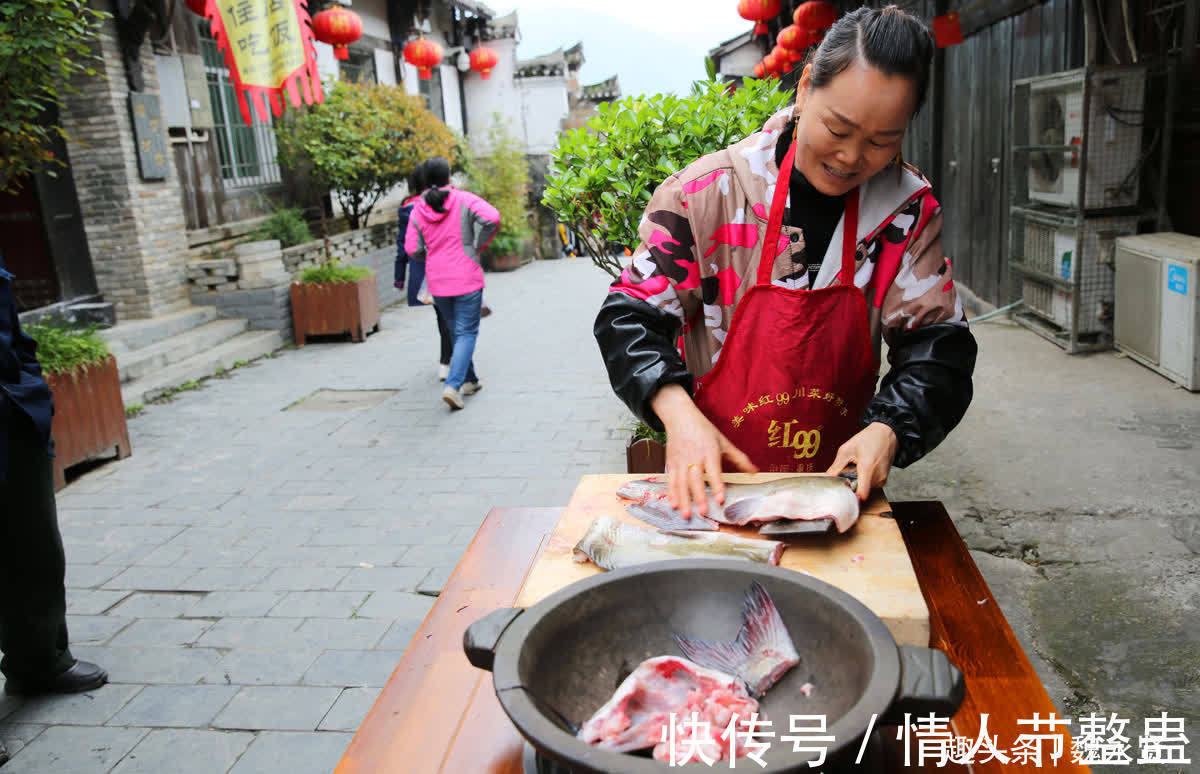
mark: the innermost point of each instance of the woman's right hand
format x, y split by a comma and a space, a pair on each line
695, 448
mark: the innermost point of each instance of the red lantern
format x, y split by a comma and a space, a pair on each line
197, 6
339, 28
759, 11
793, 38
815, 15
483, 59
424, 55
772, 64
760, 71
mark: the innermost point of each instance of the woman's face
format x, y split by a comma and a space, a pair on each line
851, 128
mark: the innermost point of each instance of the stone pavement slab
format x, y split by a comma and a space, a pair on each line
250, 574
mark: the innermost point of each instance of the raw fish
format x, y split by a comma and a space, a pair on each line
611, 544
798, 497
639, 713
760, 654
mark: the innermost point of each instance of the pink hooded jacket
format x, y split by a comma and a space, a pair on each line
450, 242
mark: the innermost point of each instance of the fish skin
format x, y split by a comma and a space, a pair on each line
657, 513
795, 498
612, 544
760, 654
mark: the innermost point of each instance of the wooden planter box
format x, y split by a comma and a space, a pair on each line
645, 456
89, 416
334, 308
504, 262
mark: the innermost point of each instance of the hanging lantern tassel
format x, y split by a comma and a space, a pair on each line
759, 11
483, 59
339, 28
424, 55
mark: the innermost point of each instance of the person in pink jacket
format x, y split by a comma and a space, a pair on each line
447, 230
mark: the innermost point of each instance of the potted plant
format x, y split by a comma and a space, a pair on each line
332, 299
602, 177
501, 176
89, 414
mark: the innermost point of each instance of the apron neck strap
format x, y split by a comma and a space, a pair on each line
770, 246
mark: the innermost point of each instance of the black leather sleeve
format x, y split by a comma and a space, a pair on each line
637, 342
928, 389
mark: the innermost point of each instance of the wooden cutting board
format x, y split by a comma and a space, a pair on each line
869, 561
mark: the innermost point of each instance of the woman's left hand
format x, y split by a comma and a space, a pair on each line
872, 450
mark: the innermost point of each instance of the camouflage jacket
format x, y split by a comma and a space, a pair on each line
702, 236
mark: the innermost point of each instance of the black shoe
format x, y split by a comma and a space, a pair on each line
82, 676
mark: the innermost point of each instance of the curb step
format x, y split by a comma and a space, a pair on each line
141, 363
139, 334
245, 346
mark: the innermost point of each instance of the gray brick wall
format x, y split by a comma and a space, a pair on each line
135, 229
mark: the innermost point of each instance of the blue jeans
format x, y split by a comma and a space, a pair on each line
462, 315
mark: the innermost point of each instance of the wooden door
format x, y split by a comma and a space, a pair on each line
25, 250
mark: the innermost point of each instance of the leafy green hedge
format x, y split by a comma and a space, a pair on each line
62, 348
333, 272
603, 175
287, 225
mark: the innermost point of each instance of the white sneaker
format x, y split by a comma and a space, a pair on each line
470, 388
443, 371
453, 398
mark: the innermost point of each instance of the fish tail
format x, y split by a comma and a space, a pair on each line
725, 657
740, 512
664, 517
762, 626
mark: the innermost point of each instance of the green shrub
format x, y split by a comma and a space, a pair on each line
287, 225
602, 176
501, 176
63, 348
333, 272
362, 141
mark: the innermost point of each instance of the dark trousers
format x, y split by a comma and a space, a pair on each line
447, 337
33, 604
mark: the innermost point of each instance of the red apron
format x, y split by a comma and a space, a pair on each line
797, 368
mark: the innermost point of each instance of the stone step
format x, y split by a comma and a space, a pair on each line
140, 363
245, 346
138, 334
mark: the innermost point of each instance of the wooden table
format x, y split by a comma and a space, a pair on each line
437, 713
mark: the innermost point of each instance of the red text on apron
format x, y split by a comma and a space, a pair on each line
797, 367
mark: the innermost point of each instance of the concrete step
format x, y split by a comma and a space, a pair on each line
138, 334
245, 346
140, 363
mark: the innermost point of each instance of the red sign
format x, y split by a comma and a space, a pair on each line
947, 30
268, 47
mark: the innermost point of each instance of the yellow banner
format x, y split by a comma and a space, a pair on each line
264, 38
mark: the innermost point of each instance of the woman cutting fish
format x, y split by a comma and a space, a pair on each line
783, 292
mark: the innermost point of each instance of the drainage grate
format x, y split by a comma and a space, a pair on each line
341, 400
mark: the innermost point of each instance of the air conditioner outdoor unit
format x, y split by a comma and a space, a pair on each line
1112, 102
1158, 304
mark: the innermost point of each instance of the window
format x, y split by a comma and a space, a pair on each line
247, 153
431, 90
358, 68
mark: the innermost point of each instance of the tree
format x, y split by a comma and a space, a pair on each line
43, 45
501, 176
362, 141
603, 175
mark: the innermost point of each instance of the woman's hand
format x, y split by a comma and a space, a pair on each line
872, 450
694, 451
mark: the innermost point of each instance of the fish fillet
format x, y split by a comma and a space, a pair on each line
799, 497
761, 653
611, 544
639, 714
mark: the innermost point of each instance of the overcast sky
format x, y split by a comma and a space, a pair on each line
652, 45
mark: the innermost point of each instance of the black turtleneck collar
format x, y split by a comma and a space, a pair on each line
814, 213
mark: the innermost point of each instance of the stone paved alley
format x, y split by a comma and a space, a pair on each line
250, 576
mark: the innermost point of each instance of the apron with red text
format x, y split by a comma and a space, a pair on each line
797, 368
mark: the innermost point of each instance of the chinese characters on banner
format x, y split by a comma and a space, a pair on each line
269, 49
786, 432
928, 741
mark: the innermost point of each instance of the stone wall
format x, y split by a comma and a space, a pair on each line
347, 247
135, 228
